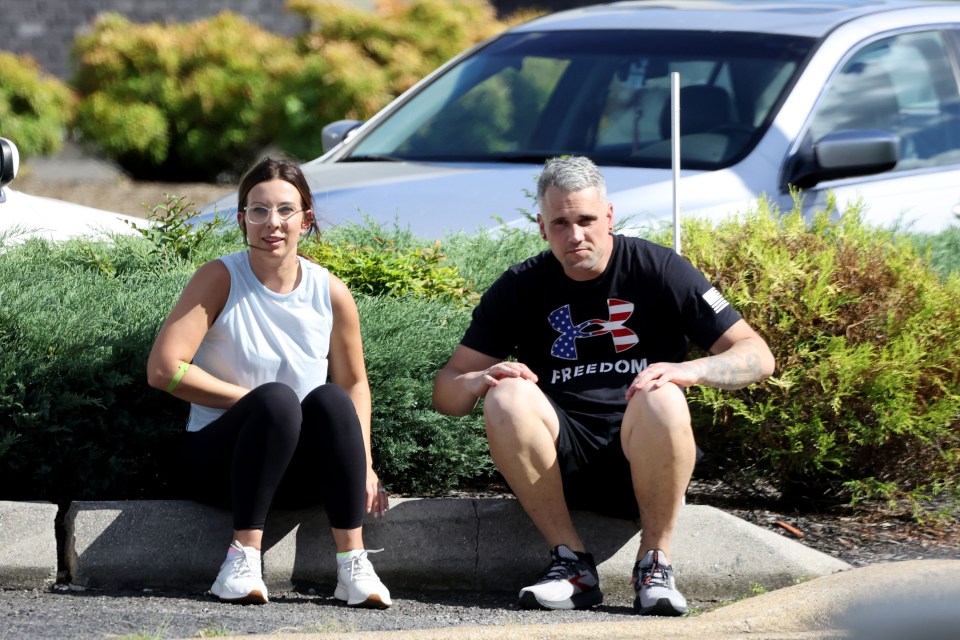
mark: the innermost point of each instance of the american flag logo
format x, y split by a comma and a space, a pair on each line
565, 347
716, 300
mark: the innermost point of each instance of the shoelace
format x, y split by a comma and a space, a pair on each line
654, 575
360, 567
242, 565
560, 568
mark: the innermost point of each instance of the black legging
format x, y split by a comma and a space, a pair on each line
269, 449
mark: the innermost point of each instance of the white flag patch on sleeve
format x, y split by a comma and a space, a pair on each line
716, 301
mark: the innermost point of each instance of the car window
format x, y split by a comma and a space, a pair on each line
605, 94
903, 84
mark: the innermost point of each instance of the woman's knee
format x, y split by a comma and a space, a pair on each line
328, 402
328, 393
328, 409
274, 404
273, 394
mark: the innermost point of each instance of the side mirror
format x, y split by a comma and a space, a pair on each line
9, 162
336, 132
843, 154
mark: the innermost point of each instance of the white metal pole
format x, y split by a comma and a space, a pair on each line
675, 154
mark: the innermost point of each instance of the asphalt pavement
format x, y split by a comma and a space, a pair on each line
915, 599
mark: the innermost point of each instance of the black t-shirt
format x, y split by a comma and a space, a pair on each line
586, 341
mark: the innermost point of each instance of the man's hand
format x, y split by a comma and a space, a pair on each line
479, 382
684, 374
468, 376
740, 358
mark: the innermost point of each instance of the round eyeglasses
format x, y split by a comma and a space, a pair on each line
258, 214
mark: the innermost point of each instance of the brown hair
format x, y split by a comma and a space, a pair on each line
278, 169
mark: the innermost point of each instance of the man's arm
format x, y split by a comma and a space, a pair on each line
739, 358
467, 377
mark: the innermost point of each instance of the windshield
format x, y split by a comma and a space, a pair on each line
605, 94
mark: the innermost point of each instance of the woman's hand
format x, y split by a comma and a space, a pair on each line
378, 500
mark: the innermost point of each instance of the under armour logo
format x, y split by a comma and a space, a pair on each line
565, 347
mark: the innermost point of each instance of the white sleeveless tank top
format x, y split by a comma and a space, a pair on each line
262, 336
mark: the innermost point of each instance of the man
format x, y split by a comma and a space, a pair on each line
590, 409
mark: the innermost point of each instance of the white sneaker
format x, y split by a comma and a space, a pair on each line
358, 584
241, 577
656, 590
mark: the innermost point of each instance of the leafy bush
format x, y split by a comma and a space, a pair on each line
483, 256
416, 449
171, 233
183, 102
942, 249
76, 419
381, 268
35, 108
866, 397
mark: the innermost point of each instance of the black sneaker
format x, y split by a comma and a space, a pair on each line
569, 582
656, 593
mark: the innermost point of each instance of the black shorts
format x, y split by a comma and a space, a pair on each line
596, 474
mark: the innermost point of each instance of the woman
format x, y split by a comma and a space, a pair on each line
249, 344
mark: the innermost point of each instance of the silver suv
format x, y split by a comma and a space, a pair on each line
858, 98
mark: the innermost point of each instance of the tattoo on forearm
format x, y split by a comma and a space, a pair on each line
730, 370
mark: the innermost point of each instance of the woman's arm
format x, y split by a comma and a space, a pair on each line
180, 336
348, 370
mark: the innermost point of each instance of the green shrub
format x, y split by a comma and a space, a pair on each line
383, 269
481, 257
942, 249
35, 108
186, 102
866, 396
76, 418
415, 448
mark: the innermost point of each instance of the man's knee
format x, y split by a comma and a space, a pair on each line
509, 400
511, 407
665, 407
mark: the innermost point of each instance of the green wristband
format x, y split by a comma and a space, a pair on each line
178, 376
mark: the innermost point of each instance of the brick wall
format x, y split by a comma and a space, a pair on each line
45, 29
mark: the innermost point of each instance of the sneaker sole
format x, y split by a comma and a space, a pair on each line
585, 600
254, 597
374, 601
663, 607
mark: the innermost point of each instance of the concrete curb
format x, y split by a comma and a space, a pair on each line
28, 545
483, 544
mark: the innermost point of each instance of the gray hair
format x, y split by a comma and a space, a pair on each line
570, 173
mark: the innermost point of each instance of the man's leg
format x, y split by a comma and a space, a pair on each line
522, 430
657, 440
